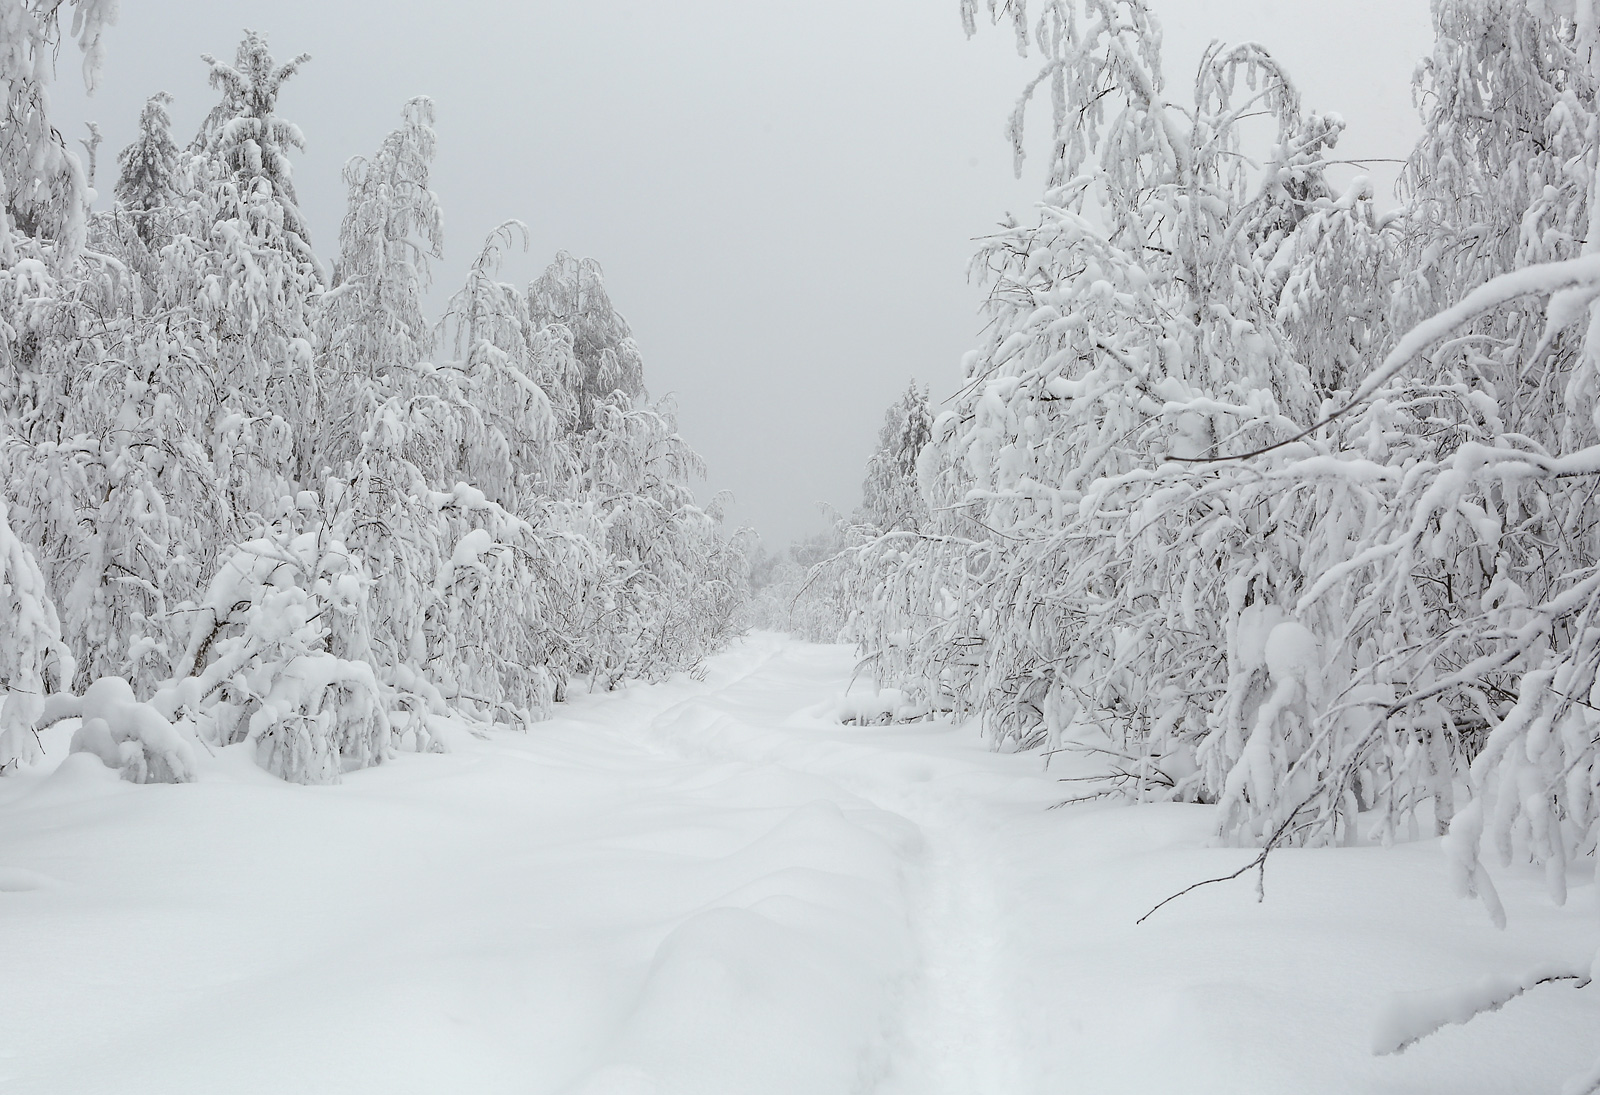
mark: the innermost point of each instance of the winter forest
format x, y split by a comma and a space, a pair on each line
1203, 694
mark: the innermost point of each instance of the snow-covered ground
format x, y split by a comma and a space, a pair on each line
713, 887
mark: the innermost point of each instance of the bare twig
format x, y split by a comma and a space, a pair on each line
1259, 863
1498, 1000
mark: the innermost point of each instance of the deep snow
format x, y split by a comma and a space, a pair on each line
714, 887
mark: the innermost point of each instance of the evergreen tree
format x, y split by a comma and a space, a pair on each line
246, 137
150, 178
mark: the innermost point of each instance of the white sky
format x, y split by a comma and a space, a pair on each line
783, 193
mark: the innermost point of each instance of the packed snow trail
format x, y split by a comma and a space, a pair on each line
715, 887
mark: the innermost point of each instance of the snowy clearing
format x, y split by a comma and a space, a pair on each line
713, 886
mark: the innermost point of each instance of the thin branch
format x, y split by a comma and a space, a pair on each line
1259, 862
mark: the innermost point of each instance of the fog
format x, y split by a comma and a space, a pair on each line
783, 194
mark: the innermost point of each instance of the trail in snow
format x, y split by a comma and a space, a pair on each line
958, 1029
963, 1029
714, 887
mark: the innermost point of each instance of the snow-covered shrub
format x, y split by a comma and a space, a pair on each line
280, 658
134, 738
33, 660
881, 708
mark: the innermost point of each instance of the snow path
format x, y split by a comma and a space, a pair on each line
714, 887
962, 1032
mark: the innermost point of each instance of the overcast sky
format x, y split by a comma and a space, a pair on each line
783, 193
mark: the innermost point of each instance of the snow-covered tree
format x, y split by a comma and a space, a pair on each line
247, 137
1502, 210
1333, 279
572, 293
890, 498
675, 584
44, 193
248, 506
371, 322
1465, 594
1276, 502
150, 178
392, 228
1133, 324
240, 275
34, 662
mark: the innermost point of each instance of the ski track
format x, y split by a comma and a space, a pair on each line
962, 1034
960, 1030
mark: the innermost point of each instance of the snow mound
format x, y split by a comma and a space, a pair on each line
131, 737
884, 707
